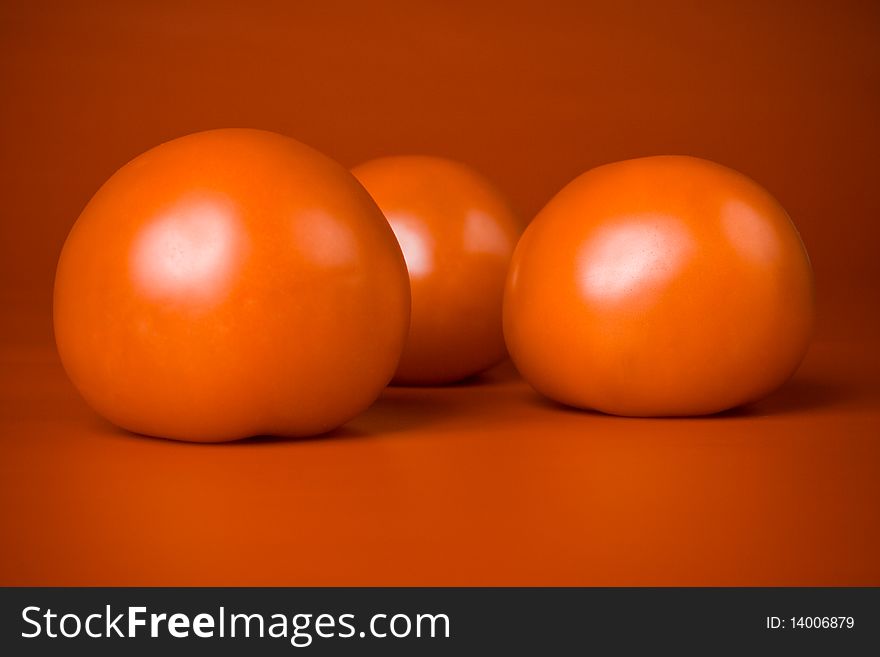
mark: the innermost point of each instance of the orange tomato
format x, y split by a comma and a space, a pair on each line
231, 283
457, 233
659, 286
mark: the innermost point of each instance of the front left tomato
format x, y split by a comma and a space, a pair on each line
231, 283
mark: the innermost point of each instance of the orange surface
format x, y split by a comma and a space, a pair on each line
474, 484
484, 483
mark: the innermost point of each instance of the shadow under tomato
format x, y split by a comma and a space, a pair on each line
796, 396
104, 427
397, 410
503, 372
339, 434
405, 409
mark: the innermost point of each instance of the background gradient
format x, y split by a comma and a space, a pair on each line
485, 482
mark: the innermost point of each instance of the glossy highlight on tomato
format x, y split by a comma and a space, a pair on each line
457, 232
231, 283
660, 286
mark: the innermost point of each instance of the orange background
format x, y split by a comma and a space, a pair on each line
482, 483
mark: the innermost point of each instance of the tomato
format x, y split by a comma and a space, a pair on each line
457, 233
659, 286
231, 283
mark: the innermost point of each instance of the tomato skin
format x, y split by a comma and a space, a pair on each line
457, 232
660, 286
227, 284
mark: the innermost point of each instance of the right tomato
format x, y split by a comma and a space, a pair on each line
660, 286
